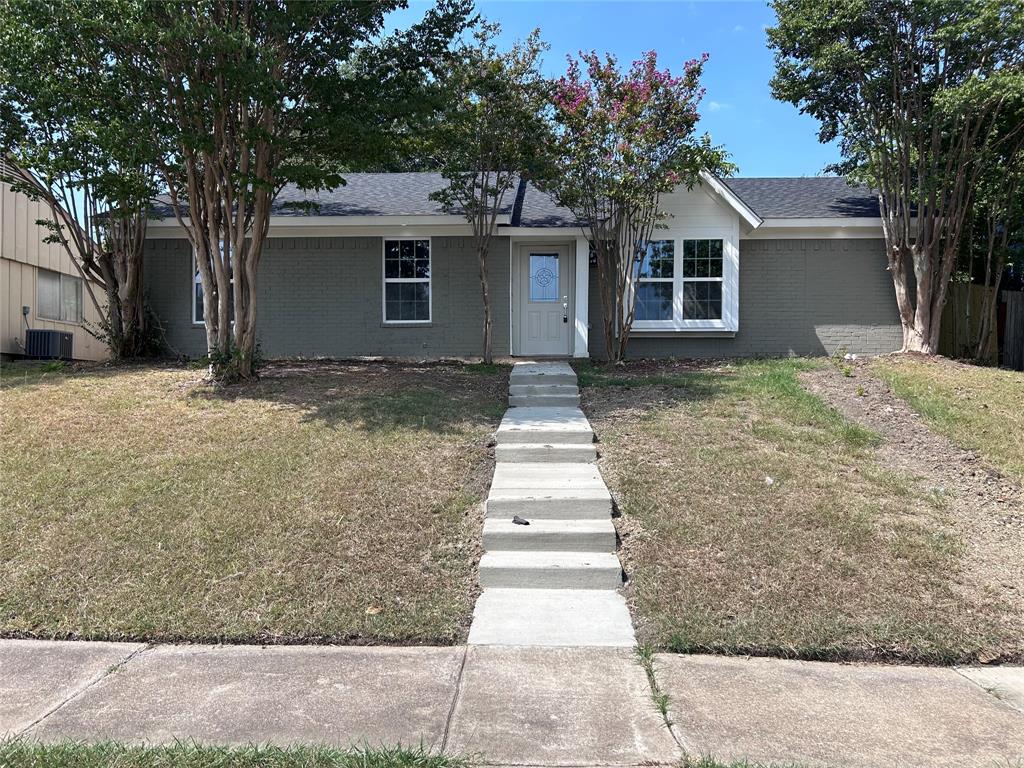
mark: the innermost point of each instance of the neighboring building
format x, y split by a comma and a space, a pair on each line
42, 277
745, 267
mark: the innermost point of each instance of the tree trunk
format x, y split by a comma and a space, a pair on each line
481, 257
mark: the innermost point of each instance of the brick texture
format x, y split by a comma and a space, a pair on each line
797, 297
322, 297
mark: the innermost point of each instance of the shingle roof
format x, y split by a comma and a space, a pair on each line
408, 194
814, 197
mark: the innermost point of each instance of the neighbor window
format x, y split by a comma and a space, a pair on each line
685, 284
197, 293
406, 281
59, 297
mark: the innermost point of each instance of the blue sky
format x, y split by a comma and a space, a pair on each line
764, 136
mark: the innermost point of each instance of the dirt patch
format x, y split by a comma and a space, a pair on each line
985, 506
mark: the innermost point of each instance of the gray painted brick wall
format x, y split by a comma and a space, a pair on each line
797, 297
322, 297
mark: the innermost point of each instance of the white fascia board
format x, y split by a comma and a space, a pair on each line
822, 223
548, 233
798, 229
342, 226
352, 221
746, 213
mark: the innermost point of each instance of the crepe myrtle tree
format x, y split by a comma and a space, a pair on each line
490, 136
70, 139
998, 217
915, 92
622, 139
248, 97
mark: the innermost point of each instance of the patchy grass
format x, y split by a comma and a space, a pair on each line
756, 519
26, 754
325, 502
981, 409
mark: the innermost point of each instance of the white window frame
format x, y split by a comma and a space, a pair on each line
384, 280
729, 280
196, 280
61, 277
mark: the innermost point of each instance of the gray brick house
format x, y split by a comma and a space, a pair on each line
744, 267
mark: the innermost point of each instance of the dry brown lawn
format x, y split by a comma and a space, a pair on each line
978, 408
327, 502
756, 519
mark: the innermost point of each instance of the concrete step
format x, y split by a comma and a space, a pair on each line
548, 491
545, 425
550, 570
550, 535
542, 373
552, 617
561, 453
544, 401
540, 504
543, 389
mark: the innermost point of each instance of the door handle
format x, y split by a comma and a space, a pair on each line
565, 309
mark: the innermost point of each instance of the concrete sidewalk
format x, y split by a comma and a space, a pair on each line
515, 706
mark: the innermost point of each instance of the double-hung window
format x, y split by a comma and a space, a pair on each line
703, 268
686, 284
655, 290
406, 280
59, 296
197, 292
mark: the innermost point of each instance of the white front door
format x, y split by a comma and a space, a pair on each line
543, 300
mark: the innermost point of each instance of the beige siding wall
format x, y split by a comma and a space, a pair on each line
22, 254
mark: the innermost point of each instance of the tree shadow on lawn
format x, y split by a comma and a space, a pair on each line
445, 398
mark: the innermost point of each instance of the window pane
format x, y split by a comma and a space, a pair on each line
659, 259
70, 299
48, 290
702, 301
654, 301
544, 277
391, 258
406, 301
702, 258
422, 251
197, 298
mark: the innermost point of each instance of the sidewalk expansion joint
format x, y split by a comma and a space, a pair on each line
455, 699
96, 680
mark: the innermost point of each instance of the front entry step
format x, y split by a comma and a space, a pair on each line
550, 570
552, 617
597, 535
540, 453
542, 373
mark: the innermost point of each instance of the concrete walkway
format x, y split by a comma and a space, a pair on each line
549, 571
515, 706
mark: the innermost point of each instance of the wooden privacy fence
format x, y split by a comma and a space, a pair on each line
962, 317
1013, 330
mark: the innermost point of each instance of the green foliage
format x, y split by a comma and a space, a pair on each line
621, 140
919, 94
491, 133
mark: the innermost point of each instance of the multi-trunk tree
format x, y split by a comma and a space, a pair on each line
489, 136
70, 137
622, 140
248, 97
915, 92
